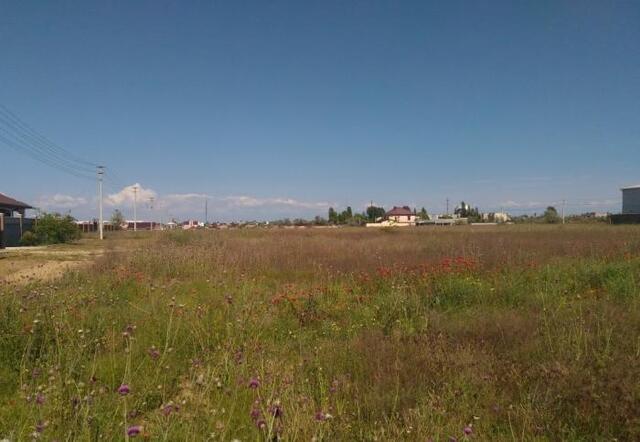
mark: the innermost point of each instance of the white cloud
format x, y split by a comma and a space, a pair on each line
128, 194
249, 201
182, 205
60, 202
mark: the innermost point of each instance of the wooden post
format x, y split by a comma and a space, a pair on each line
1, 230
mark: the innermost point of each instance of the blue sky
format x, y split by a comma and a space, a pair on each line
274, 109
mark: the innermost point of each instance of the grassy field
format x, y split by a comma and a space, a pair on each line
485, 333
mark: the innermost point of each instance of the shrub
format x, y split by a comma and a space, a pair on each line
54, 228
29, 239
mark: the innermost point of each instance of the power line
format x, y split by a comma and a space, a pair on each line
21, 148
42, 140
20, 143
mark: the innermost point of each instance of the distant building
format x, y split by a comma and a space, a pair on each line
191, 224
496, 217
631, 200
630, 206
397, 217
140, 225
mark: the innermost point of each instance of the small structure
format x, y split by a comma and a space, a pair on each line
140, 225
496, 217
191, 224
13, 222
630, 206
397, 217
631, 200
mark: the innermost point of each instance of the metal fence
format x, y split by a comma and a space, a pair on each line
12, 229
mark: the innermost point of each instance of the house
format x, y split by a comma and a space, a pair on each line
9, 206
13, 222
397, 217
191, 224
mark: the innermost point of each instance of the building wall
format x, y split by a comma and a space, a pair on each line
403, 218
631, 201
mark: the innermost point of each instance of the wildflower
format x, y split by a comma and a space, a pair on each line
254, 383
320, 416
154, 352
468, 430
168, 409
123, 390
276, 409
40, 426
255, 413
261, 424
40, 398
134, 430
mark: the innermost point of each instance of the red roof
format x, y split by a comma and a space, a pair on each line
14, 204
400, 211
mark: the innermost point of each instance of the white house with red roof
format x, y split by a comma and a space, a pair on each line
399, 216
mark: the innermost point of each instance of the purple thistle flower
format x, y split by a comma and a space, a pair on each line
154, 352
134, 430
168, 409
124, 390
468, 430
40, 426
320, 416
254, 383
255, 413
276, 410
40, 398
261, 424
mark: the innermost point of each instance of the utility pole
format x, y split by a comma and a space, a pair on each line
563, 202
206, 211
100, 219
151, 199
447, 206
135, 208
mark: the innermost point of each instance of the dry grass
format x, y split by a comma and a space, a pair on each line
509, 332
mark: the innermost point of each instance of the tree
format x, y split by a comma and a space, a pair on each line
349, 212
551, 215
53, 228
423, 214
374, 213
117, 219
319, 221
333, 216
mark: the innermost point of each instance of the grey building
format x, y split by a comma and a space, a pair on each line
631, 200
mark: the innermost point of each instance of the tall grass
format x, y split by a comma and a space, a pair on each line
499, 334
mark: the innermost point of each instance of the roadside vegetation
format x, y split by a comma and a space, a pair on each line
51, 228
493, 333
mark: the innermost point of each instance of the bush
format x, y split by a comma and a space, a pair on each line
29, 239
54, 228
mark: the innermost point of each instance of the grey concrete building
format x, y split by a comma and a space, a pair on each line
631, 200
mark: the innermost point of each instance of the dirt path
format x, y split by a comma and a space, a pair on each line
23, 265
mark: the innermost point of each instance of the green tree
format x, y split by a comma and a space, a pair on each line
374, 212
423, 214
53, 228
117, 219
349, 212
333, 216
551, 215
